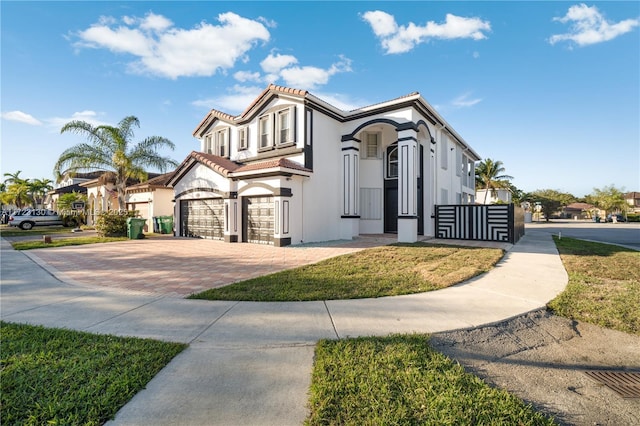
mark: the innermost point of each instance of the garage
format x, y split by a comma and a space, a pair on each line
202, 218
259, 219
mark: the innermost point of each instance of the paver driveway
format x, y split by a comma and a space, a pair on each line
182, 266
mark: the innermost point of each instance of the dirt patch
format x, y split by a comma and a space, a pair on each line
542, 358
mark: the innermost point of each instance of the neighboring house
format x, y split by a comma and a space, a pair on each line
151, 199
581, 211
101, 196
69, 183
633, 200
497, 196
293, 169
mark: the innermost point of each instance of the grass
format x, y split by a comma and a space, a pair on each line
400, 380
11, 231
63, 242
381, 271
604, 285
55, 376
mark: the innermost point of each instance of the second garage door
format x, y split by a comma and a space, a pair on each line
202, 218
259, 219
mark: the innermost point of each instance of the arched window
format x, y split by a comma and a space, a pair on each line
392, 162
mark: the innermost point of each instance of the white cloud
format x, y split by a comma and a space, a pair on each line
235, 101
244, 76
465, 101
21, 117
90, 117
308, 77
166, 51
589, 26
401, 39
272, 64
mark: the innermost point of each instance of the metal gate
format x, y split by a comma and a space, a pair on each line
202, 218
258, 219
496, 222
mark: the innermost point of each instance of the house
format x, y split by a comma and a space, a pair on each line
69, 183
581, 211
293, 169
496, 196
151, 199
633, 200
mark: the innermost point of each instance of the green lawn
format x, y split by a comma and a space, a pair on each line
382, 271
63, 242
400, 380
604, 285
11, 231
62, 377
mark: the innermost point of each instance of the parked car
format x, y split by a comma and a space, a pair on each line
618, 218
36, 217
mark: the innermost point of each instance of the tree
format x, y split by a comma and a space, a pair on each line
110, 148
39, 189
608, 198
550, 201
490, 177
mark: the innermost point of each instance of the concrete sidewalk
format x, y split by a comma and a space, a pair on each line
249, 363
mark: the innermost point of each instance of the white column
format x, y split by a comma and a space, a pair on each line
407, 183
231, 218
350, 164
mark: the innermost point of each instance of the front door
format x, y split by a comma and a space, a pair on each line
391, 192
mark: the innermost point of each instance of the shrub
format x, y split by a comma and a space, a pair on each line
113, 223
633, 217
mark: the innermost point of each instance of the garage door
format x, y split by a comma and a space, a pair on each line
202, 218
259, 217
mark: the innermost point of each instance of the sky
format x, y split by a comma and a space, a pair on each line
550, 88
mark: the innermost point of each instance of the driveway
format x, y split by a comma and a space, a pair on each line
177, 267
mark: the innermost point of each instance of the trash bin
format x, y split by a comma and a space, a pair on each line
166, 224
134, 228
156, 224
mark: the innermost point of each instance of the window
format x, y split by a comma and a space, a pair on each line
243, 138
208, 147
371, 145
265, 131
222, 143
444, 151
392, 163
284, 126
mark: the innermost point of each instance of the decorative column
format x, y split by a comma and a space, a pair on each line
350, 218
231, 212
281, 225
407, 183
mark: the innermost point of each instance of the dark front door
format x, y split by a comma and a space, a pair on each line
391, 192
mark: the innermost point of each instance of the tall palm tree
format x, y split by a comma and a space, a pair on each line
110, 148
490, 177
14, 177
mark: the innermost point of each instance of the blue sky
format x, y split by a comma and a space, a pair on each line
551, 89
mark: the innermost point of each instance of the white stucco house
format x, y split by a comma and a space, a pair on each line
293, 169
499, 195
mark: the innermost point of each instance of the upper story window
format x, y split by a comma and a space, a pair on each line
208, 145
243, 138
222, 143
264, 130
284, 126
371, 148
392, 162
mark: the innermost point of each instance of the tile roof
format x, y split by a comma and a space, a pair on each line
226, 167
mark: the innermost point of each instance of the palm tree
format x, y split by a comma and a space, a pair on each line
39, 189
490, 178
111, 149
14, 178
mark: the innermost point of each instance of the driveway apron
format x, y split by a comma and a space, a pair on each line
247, 363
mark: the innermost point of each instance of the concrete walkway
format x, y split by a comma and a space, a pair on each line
249, 363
